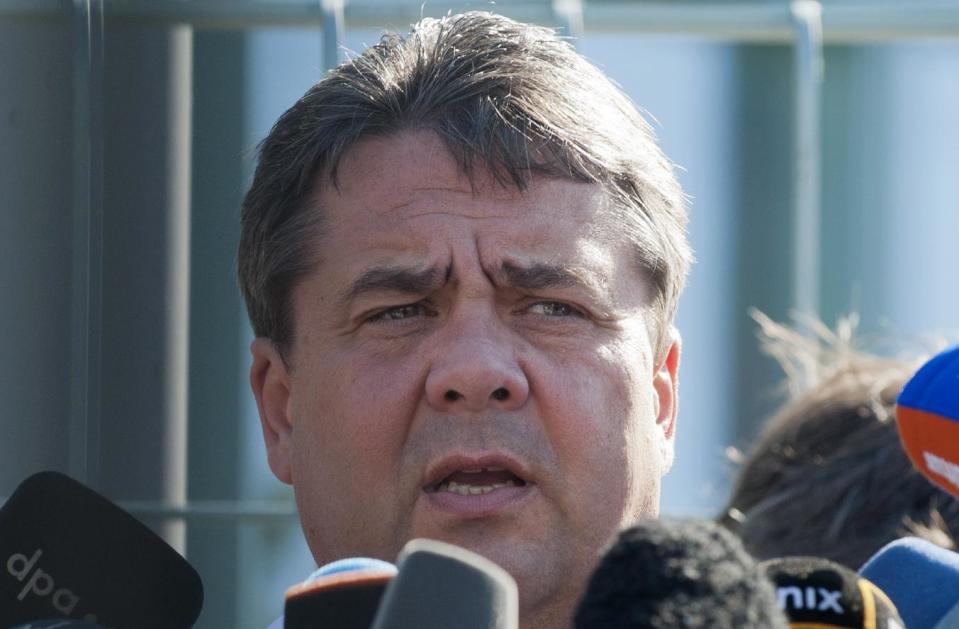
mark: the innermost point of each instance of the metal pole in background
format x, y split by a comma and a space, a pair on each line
148, 74
333, 25
569, 15
87, 260
807, 173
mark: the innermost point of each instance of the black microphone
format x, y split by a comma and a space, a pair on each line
816, 592
441, 586
344, 594
68, 552
678, 573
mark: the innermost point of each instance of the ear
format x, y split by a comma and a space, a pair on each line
269, 378
666, 388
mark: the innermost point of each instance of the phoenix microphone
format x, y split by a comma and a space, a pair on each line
68, 552
927, 413
817, 592
922, 579
678, 573
440, 586
344, 594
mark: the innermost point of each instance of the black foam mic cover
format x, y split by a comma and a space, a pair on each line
67, 551
662, 574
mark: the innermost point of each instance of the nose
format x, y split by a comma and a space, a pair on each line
476, 370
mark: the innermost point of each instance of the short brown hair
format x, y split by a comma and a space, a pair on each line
511, 97
828, 476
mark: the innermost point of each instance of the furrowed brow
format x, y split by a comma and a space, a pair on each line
540, 276
394, 280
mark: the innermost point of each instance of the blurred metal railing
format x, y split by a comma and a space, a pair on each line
843, 21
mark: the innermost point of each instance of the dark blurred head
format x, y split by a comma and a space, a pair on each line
828, 476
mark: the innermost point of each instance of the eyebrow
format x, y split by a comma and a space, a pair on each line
396, 280
539, 276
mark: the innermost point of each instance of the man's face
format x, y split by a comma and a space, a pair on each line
472, 367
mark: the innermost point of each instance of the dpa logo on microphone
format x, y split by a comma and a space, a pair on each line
811, 598
42, 584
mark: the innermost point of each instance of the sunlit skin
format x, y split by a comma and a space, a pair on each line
443, 329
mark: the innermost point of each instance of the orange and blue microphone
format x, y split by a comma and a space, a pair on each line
927, 414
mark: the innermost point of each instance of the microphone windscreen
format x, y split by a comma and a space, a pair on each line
822, 593
67, 551
678, 573
344, 594
922, 579
927, 414
441, 586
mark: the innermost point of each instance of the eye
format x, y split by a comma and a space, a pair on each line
400, 313
554, 309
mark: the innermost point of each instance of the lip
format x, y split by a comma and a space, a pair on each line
446, 466
479, 505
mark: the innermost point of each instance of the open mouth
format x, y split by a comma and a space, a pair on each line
474, 482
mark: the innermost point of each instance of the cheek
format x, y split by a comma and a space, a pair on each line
354, 411
612, 387
587, 400
602, 422
354, 415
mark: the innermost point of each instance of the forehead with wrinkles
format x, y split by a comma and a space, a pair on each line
423, 179
411, 217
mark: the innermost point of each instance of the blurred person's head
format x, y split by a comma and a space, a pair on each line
461, 255
828, 476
